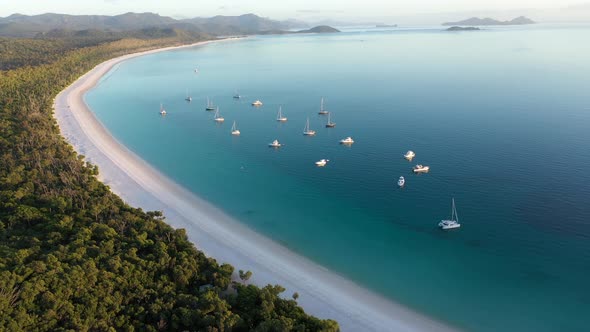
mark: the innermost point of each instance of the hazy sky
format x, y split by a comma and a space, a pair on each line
281, 9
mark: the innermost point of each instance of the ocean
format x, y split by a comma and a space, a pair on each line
501, 116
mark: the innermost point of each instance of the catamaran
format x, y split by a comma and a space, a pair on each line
234, 130
307, 131
453, 222
322, 109
162, 110
280, 116
210, 106
330, 124
410, 155
218, 117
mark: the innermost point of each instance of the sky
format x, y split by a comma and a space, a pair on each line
299, 9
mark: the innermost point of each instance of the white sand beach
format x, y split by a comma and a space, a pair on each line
322, 292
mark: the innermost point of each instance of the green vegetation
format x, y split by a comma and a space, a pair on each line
74, 256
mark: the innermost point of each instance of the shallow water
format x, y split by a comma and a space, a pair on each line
501, 116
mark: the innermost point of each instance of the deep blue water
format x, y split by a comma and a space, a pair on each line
501, 116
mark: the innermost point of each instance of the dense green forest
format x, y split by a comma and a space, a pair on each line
74, 256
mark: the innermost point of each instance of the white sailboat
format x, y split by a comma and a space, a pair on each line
218, 117
307, 131
410, 155
234, 130
280, 116
209, 106
330, 124
237, 95
322, 109
453, 222
188, 98
162, 110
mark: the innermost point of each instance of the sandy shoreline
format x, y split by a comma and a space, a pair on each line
322, 293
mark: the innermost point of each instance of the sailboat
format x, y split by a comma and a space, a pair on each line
162, 110
453, 222
218, 117
322, 109
280, 116
188, 98
237, 95
234, 130
210, 106
330, 124
307, 131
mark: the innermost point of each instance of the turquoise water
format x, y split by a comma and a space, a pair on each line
501, 116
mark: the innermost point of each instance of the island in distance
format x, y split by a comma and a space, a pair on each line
458, 28
490, 21
320, 29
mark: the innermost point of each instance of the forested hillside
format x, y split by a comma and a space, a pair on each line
74, 256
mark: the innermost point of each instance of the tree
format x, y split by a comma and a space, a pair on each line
245, 276
295, 296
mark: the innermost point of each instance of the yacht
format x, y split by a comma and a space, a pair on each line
280, 116
410, 155
401, 181
218, 117
234, 130
421, 169
330, 124
307, 131
322, 109
210, 106
257, 103
275, 144
347, 140
322, 162
453, 222
162, 110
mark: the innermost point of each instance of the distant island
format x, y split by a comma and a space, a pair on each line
521, 20
320, 29
386, 26
458, 28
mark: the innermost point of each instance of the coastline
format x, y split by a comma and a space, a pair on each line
322, 293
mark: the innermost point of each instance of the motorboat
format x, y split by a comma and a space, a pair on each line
257, 103
421, 169
401, 182
347, 140
322, 163
275, 144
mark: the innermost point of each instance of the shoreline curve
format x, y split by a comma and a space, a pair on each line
322, 293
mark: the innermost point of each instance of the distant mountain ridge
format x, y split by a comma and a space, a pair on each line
18, 25
474, 21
